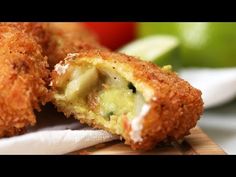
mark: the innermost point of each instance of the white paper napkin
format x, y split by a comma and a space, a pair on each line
218, 86
53, 142
54, 134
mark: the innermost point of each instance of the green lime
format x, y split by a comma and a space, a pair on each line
160, 49
202, 44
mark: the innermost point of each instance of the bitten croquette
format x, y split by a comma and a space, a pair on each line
137, 100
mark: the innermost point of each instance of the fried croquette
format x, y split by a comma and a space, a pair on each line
58, 39
36, 29
67, 38
137, 100
23, 80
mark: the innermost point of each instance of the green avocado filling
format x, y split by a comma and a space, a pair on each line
100, 94
117, 101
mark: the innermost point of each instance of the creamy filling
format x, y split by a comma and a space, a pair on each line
106, 97
61, 69
137, 124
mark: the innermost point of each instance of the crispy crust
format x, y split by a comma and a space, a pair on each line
67, 38
58, 39
24, 69
37, 30
23, 79
175, 107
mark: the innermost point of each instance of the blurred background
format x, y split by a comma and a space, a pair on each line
202, 53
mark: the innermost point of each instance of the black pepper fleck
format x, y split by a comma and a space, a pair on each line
132, 87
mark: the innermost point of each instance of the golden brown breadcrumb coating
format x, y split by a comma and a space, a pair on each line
67, 38
63, 38
57, 39
36, 29
23, 47
175, 106
23, 77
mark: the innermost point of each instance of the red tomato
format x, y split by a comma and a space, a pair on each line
113, 34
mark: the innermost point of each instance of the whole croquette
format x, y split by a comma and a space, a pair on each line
57, 39
137, 100
36, 29
26, 50
23, 80
67, 38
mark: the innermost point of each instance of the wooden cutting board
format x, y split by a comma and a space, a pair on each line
195, 144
